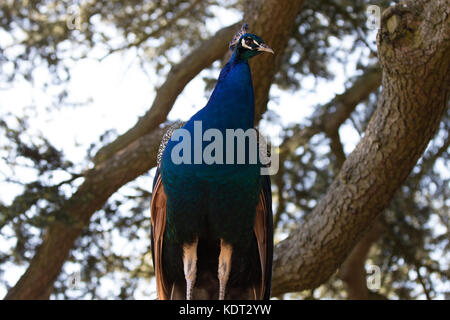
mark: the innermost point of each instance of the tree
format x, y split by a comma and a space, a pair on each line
335, 207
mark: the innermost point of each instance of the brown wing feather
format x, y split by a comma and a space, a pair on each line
158, 217
261, 238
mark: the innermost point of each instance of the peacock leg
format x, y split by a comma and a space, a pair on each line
224, 267
190, 266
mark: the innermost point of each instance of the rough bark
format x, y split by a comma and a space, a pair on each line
414, 53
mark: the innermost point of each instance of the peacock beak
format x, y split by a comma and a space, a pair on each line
264, 47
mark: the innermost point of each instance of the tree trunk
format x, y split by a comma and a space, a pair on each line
414, 52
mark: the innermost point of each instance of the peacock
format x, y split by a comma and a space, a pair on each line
212, 229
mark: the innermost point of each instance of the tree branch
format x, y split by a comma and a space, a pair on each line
337, 149
414, 54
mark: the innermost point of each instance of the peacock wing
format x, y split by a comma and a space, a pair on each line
264, 236
158, 220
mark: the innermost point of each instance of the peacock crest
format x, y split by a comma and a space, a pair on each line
238, 35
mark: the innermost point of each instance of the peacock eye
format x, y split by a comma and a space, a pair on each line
249, 41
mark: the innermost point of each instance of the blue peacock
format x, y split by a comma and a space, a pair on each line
212, 232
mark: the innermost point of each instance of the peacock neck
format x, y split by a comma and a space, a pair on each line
232, 101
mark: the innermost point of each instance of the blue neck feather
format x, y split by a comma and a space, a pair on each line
231, 104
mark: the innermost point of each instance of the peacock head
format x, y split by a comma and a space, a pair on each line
247, 45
